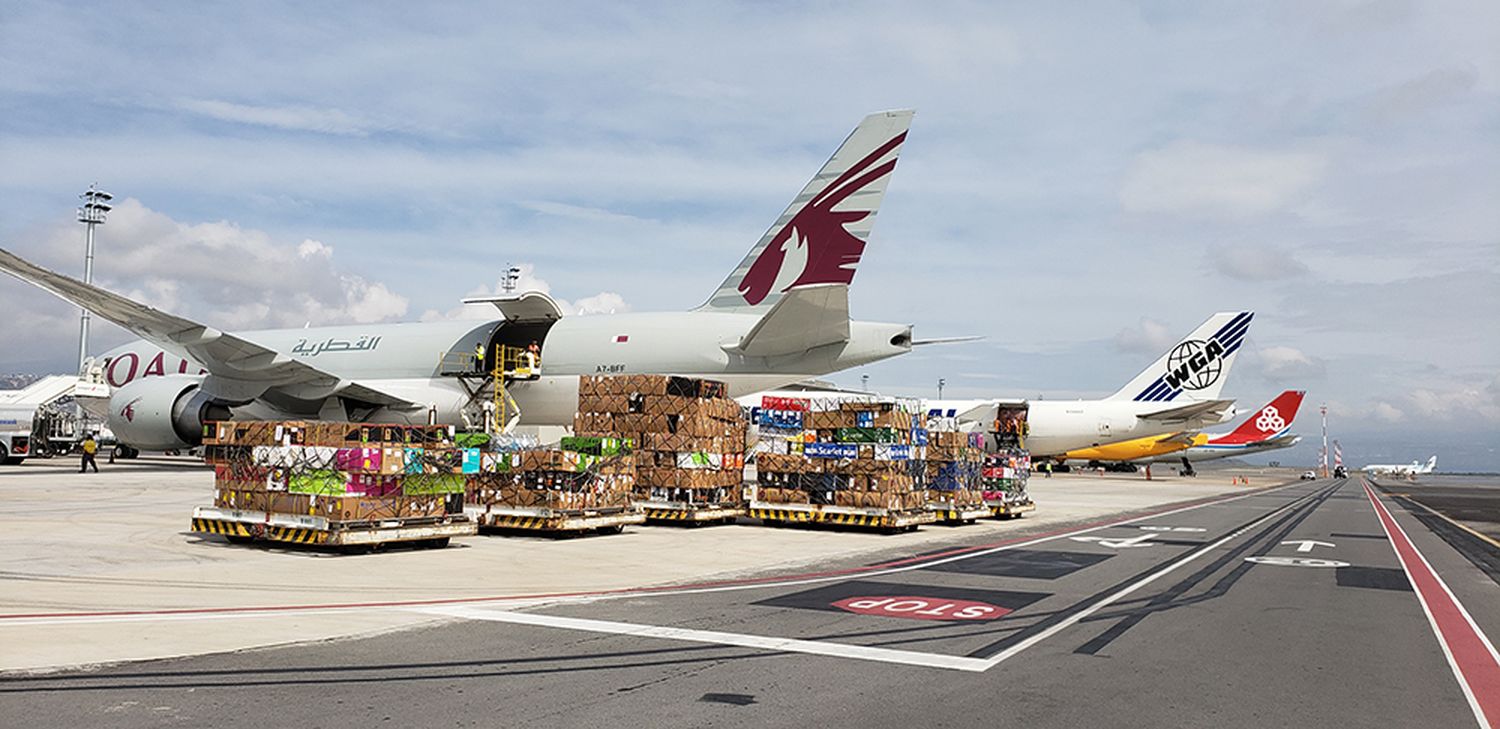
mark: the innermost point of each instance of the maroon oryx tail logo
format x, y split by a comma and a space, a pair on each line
832, 251
128, 412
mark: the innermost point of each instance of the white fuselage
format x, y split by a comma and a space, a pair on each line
405, 360
1059, 426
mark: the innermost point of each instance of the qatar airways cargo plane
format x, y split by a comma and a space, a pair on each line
781, 316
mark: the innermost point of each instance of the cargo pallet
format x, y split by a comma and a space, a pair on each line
242, 526
670, 512
950, 513
1003, 510
888, 519
553, 521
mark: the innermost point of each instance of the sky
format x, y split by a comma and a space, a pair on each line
1082, 185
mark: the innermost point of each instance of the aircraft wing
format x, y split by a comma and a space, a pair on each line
240, 370
803, 318
1190, 411
1184, 438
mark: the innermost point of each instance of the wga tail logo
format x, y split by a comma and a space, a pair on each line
1195, 364
818, 233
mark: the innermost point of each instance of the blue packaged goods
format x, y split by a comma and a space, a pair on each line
830, 450
784, 419
919, 436
864, 419
471, 462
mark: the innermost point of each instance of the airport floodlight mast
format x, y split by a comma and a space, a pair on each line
864, 382
512, 274
92, 213
941, 382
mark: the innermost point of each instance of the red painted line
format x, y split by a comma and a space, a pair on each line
1470, 653
849, 571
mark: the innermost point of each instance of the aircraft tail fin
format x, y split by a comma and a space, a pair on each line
1271, 421
1431, 465
821, 235
1197, 365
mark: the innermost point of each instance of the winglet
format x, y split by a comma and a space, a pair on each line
821, 235
1197, 365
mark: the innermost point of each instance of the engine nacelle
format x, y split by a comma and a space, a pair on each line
162, 413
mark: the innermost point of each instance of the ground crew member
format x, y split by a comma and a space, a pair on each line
479, 357
90, 447
533, 358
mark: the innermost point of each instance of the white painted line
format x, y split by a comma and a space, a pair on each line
1073, 619
785, 645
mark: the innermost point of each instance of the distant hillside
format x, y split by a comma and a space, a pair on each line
18, 381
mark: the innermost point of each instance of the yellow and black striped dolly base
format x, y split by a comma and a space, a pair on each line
708, 513
273, 533
782, 514
501, 521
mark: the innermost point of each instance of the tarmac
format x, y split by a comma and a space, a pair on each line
1174, 602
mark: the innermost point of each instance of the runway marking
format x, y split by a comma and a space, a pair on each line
742, 640
1470, 653
887, 568
1296, 561
1074, 619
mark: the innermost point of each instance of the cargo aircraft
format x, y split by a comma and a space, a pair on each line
1179, 392
782, 315
1267, 429
1409, 469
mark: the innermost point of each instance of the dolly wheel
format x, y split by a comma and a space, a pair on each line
613, 529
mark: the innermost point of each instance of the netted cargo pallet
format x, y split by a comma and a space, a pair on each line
773, 514
244, 526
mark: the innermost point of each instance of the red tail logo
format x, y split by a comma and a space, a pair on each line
831, 250
129, 410
1274, 418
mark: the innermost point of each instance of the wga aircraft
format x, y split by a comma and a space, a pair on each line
1409, 469
1178, 392
781, 316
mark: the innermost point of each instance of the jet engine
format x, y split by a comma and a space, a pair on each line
162, 413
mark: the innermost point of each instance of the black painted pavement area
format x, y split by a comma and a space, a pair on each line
1217, 640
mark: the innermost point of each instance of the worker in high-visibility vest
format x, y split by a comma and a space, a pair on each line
479, 357
89, 448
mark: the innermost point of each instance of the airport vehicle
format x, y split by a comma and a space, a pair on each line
1178, 392
1309, 476
781, 316
1340, 472
15, 435
1409, 469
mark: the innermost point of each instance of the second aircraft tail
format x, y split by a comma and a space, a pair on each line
1197, 365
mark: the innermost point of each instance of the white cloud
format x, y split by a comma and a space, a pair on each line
604, 302
326, 121
1212, 180
1285, 365
217, 273
1148, 336
1257, 263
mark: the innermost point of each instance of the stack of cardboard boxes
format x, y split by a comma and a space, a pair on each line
866, 455
339, 471
1005, 476
583, 474
688, 436
955, 464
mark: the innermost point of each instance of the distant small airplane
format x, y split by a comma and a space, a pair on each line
1409, 469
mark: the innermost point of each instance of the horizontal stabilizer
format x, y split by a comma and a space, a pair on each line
240, 370
803, 318
1211, 410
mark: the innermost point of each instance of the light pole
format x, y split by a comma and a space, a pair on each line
941, 382
512, 274
92, 213
1323, 410
864, 382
